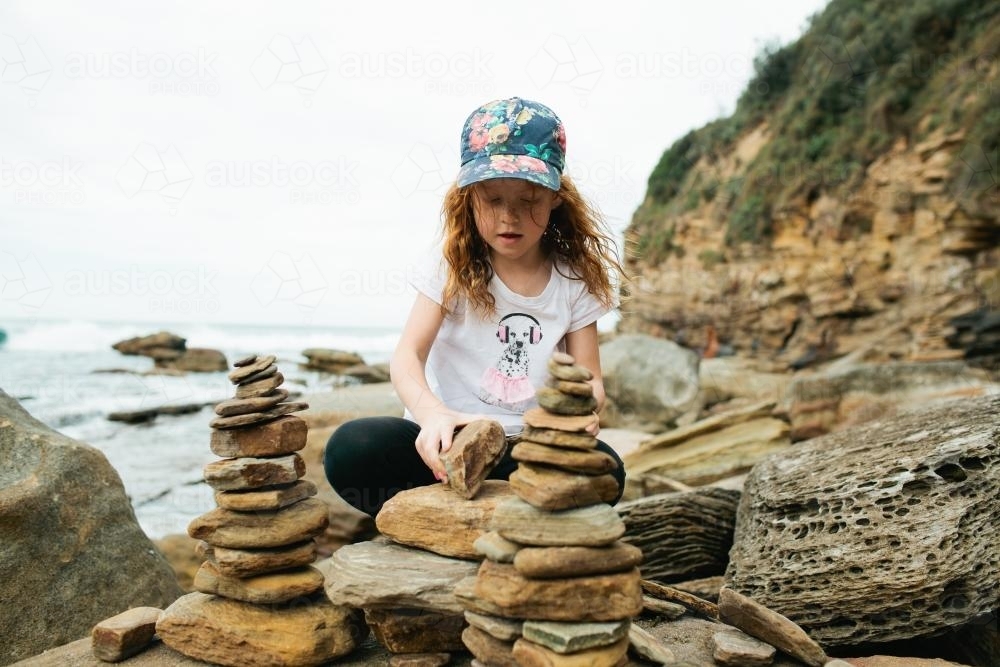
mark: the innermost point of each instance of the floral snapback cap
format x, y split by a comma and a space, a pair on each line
513, 138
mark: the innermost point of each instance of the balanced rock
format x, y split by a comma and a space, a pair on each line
530, 654
583, 389
562, 562
252, 473
552, 489
488, 649
252, 530
239, 634
260, 375
584, 462
558, 438
270, 588
573, 637
245, 406
416, 630
503, 629
561, 403
382, 575
432, 518
261, 387
608, 597
258, 417
255, 365
281, 436
474, 452
570, 372
496, 547
539, 418
125, 634
250, 562
270, 498
597, 525
908, 504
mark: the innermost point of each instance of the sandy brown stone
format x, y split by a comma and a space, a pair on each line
539, 418
260, 387
561, 562
279, 410
270, 588
270, 371
281, 436
768, 625
465, 595
733, 648
270, 498
244, 361
125, 634
419, 659
253, 473
563, 358
552, 489
571, 372
597, 525
245, 406
555, 438
434, 518
647, 646
251, 530
530, 654
584, 462
560, 403
240, 634
246, 370
496, 547
474, 452
607, 597
488, 649
250, 562
668, 610
416, 630
582, 389
504, 629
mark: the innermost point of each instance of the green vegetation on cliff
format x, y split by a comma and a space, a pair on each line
864, 74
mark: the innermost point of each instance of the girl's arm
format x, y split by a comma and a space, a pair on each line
582, 344
406, 368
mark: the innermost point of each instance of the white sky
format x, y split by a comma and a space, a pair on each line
145, 148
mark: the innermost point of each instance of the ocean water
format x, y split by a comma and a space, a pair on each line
49, 366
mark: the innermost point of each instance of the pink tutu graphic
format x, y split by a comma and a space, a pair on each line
496, 388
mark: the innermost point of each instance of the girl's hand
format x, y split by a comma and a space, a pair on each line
595, 427
436, 433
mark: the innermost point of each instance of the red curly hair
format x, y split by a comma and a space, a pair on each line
577, 237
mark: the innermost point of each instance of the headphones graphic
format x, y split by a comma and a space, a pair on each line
534, 333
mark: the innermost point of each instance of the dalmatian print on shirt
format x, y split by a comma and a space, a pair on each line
507, 384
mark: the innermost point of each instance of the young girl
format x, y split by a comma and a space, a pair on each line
524, 273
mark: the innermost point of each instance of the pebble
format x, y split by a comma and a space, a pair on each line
265, 499
540, 418
271, 588
246, 370
559, 403
590, 462
122, 636
260, 387
270, 371
556, 438
561, 562
245, 361
552, 489
496, 547
252, 473
245, 406
257, 417
597, 525
249, 562
573, 373
572, 388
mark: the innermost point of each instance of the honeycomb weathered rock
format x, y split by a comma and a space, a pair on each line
885, 531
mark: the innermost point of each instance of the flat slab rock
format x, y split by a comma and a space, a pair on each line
416, 517
594, 526
474, 452
910, 504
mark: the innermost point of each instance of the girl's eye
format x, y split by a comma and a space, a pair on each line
530, 202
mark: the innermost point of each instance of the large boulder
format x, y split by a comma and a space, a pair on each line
885, 531
153, 345
197, 360
650, 382
73, 553
330, 361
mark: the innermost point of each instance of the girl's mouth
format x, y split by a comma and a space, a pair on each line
510, 236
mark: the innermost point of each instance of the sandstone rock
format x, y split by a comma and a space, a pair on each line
857, 505
562, 562
736, 649
415, 517
497, 548
539, 418
682, 535
557, 438
474, 452
245, 406
269, 588
416, 630
240, 634
706, 588
651, 381
366, 374
125, 634
560, 403
465, 594
649, 647
488, 649
258, 364
582, 389
584, 462
140, 344
569, 372
279, 410
196, 360
270, 371
251, 473
552, 489
246, 530
250, 562
668, 610
281, 436
767, 625
419, 659
593, 526
72, 550
261, 387
573, 637
271, 498
382, 575
608, 597
245, 361
503, 629
530, 654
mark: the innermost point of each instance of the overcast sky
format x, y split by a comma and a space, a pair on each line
284, 162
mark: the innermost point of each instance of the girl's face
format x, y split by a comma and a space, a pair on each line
512, 214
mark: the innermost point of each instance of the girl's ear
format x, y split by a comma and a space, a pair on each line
556, 201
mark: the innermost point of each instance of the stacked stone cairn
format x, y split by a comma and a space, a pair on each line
259, 601
557, 586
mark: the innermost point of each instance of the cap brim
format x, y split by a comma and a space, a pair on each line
509, 166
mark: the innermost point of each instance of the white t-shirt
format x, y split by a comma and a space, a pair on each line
495, 366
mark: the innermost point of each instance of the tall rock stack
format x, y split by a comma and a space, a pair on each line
259, 601
557, 586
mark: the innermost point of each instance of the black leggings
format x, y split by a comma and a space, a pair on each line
370, 460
